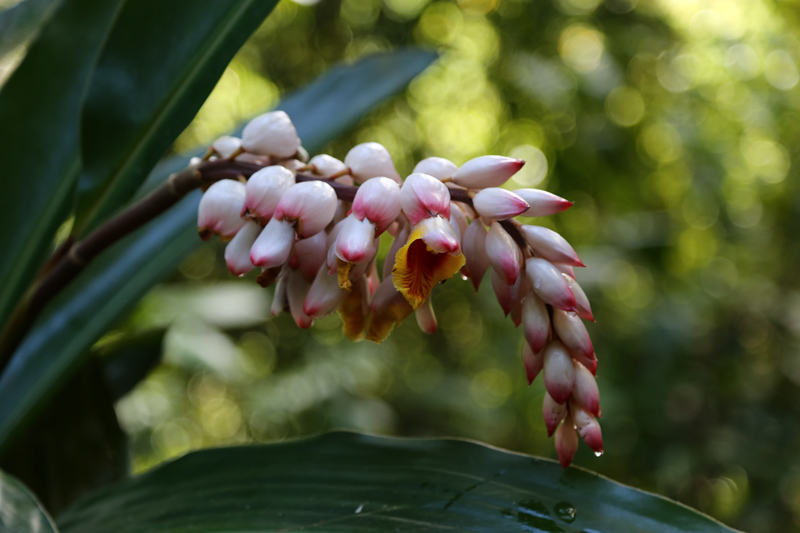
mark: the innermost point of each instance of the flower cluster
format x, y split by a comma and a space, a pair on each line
312, 227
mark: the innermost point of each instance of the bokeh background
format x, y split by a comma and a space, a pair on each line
675, 127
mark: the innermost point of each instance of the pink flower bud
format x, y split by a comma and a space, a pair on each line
487, 171
264, 190
271, 134
296, 291
279, 302
498, 204
570, 329
438, 167
550, 245
424, 196
378, 200
310, 204
565, 269
474, 243
219, 210
311, 254
324, 296
589, 363
588, 429
585, 392
581, 301
326, 166
542, 203
504, 292
237, 252
535, 321
354, 242
273, 245
426, 319
503, 253
548, 283
370, 160
559, 373
458, 220
438, 234
533, 362
553, 412
226, 146
566, 441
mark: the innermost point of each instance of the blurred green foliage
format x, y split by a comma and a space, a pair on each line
673, 124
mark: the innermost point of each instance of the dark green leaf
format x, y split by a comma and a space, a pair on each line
129, 360
20, 512
76, 444
19, 24
39, 118
111, 286
344, 482
161, 62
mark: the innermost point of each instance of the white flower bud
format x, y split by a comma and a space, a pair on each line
271, 134
551, 246
426, 318
370, 160
226, 146
566, 441
548, 283
324, 296
535, 321
310, 204
570, 329
498, 204
311, 254
326, 166
220, 209
378, 200
503, 253
273, 245
264, 190
553, 412
424, 196
354, 243
486, 171
559, 373
438, 167
474, 244
237, 252
542, 203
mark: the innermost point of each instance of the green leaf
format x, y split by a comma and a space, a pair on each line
20, 511
39, 121
76, 444
344, 482
161, 62
129, 360
20, 23
112, 285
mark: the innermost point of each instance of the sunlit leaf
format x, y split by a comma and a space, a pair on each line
348, 482
20, 511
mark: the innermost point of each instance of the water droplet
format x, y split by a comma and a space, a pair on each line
566, 512
598, 454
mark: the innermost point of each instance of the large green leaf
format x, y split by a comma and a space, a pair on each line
20, 512
39, 121
112, 285
344, 482
20, 23
161, 62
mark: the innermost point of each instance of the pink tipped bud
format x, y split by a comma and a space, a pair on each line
588, 428
426, 319
487, 171
311, 204
226, 146
566, 441
438, 167
585, 392
264, 190
498, 204
237, 252
504, 292
581, 301
296, 291
370, 160
311, 254
458, 219
570, 329
503, 253
542, 203
354, 242
438, 234
424, 196
589, 363
533, 362
565, 269
559, 373
273, 245
279, 302
548, 283
324, 296
553, 412
220, 209
378, 200
326, 166
475, 251
535, 321
551, 246
271, 134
